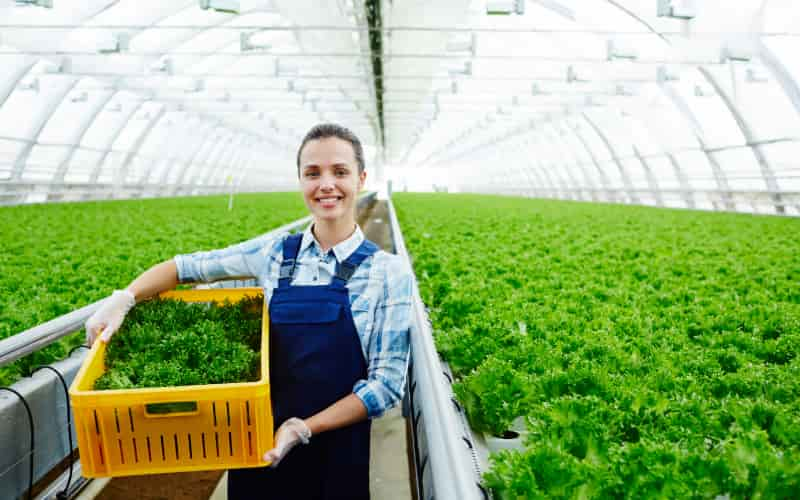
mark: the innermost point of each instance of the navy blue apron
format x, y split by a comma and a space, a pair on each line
315, 359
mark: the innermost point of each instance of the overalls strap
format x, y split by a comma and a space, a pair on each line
291, 247
345, 270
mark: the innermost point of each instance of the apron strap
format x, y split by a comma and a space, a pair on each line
291, 246
345, 270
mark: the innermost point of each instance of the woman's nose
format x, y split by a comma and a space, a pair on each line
326, 182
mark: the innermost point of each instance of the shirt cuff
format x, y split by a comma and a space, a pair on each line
185, 269
376, 397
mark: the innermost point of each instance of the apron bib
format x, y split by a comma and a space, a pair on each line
315, 360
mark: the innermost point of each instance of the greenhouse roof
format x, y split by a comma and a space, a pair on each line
670, 102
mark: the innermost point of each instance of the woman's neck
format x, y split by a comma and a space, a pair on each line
331, 233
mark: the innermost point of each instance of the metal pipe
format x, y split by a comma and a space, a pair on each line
454, 474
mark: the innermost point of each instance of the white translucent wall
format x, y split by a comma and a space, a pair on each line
194, 101
606, 101
591, 100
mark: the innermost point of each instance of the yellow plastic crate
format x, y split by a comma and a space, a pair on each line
173, 429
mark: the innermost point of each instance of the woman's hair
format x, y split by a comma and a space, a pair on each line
325, 130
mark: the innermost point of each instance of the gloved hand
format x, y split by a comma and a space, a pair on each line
289, 434
108, 318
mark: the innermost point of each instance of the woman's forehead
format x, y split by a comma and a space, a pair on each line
327, 151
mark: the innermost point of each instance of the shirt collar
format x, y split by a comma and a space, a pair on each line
341, 250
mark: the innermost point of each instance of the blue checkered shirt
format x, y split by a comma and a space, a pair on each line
380, 298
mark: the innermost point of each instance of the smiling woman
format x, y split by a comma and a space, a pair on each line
339, 312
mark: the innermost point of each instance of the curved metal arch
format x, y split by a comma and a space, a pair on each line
202, 168
537, 183
224, 152
14, 80
122, 172
747, 131
225, 161
239, 157
556, 181
228, 152
198, 136
53, 104
77, 137
176, 143
111, 139
775, 66
223, 167
557, 152
590, 183
652, 182
190, 37
610, 195
626, 180
193, 159
716, 170
680, 174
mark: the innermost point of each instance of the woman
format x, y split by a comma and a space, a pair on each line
339, 328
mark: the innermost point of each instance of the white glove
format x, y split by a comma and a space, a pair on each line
289, 434
108, 318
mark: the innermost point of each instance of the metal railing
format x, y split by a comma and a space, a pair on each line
445, 452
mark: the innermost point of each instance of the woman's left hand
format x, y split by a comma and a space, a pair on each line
289, 434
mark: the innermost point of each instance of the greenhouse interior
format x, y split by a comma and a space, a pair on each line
399, 249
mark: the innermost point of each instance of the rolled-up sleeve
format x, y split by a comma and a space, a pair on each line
248, 259
388, 346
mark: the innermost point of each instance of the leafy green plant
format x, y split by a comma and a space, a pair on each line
166, 343
58, 257
652, 352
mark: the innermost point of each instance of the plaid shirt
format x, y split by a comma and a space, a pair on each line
380, 299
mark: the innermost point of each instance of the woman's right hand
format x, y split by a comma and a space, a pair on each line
108, 318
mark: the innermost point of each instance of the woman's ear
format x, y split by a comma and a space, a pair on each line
362, 177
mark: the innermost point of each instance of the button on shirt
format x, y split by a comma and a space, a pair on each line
380, 298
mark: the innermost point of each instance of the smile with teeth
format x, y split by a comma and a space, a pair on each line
331, 199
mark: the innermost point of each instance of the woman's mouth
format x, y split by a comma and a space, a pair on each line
328, 201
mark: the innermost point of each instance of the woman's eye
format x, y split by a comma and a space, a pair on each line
341, 173
312, 174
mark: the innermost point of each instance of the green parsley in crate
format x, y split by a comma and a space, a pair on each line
166, 343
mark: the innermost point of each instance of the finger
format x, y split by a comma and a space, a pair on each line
273, 457
106, 335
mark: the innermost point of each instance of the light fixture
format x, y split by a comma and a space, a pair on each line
79, 97
676, 9
114, 43
505, 7
536, 89
195, 85
466, 70
29, 84
701, 90
297, 86
246, 45
664, 75
735, 52
47, 4
226, 6
572, 75
624, 90
463, 44
163, 65
618, 50
62, 66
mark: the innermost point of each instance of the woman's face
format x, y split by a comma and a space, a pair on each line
329, 179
